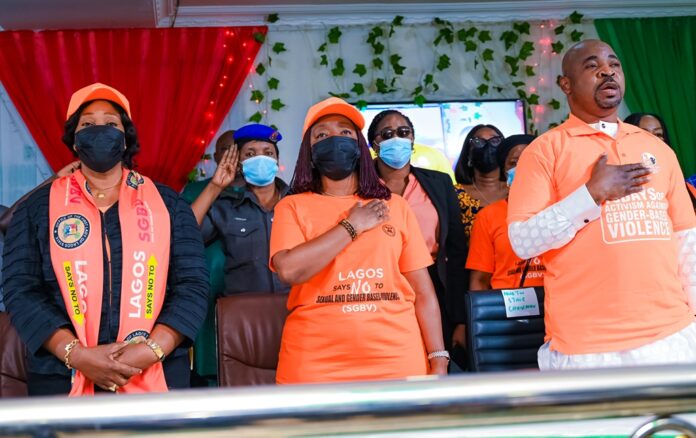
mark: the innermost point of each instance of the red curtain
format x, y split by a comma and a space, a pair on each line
180, 83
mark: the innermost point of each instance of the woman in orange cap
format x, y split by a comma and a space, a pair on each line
362, 306
104, 275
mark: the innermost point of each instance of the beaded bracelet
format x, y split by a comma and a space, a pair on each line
347, 225
440, 353
68, 349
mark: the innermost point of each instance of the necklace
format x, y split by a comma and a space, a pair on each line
473, 182
99, 193
337, 196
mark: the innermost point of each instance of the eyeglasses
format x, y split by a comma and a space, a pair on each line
477, 142
401, 131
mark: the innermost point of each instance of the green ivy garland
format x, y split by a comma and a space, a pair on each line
258, 96
386, 68
272, 83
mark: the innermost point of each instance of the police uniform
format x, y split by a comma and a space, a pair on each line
244, 228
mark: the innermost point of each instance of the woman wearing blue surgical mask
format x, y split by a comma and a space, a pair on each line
431, 196
243, 219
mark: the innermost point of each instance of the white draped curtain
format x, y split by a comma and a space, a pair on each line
22, 166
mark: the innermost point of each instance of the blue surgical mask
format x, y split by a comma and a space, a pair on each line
395, 152
260, 170
511, 176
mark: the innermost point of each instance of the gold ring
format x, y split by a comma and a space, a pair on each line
113, 388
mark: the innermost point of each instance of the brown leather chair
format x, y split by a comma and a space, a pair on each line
13, 361
249, 328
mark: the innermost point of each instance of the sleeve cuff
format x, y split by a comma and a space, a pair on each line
580, 208
690, 291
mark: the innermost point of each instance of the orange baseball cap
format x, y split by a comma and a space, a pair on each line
97, 91
331, 106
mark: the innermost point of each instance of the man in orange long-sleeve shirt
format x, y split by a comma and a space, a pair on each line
605, 203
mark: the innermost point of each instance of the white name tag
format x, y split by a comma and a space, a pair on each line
520, 302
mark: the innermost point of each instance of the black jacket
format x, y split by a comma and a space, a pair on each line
452, 249
33, 297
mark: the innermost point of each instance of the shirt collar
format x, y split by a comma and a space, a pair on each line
240, 194
609, 128
576, 127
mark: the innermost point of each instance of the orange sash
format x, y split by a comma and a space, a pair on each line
77, 258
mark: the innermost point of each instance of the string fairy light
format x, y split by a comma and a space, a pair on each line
208, 133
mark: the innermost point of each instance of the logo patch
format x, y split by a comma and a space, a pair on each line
648, 160
389, 230
134, 180
71, 231
137, 336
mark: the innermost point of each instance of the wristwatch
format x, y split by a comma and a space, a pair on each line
156, 349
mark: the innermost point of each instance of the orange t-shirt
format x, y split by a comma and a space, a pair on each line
425, 212
490, 251
615, 286
355, 319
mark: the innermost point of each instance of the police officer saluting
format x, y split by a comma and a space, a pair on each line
243, 220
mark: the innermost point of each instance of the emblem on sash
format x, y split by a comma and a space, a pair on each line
133, 180
71, 230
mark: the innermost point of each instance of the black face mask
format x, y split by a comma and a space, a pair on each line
100, 147
484, 158
336, 157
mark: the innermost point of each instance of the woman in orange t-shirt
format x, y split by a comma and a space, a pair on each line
362, 305
492, 262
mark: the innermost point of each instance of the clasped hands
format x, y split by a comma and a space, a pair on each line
110, 366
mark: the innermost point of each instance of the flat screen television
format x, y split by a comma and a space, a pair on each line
444, 125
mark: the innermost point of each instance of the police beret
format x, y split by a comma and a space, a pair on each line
257, 132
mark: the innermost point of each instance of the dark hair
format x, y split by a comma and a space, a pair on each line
307, 179
463, 171
635, 118
371, 131
506, 146
132, 145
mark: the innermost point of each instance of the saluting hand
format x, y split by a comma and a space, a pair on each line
609, 182
365, 217
227, 168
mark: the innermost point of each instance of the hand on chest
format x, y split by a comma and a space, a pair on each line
575, 164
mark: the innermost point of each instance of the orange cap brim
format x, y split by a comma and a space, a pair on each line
97, 91
333, 106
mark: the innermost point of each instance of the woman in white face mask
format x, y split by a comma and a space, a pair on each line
242, 220
431, 196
